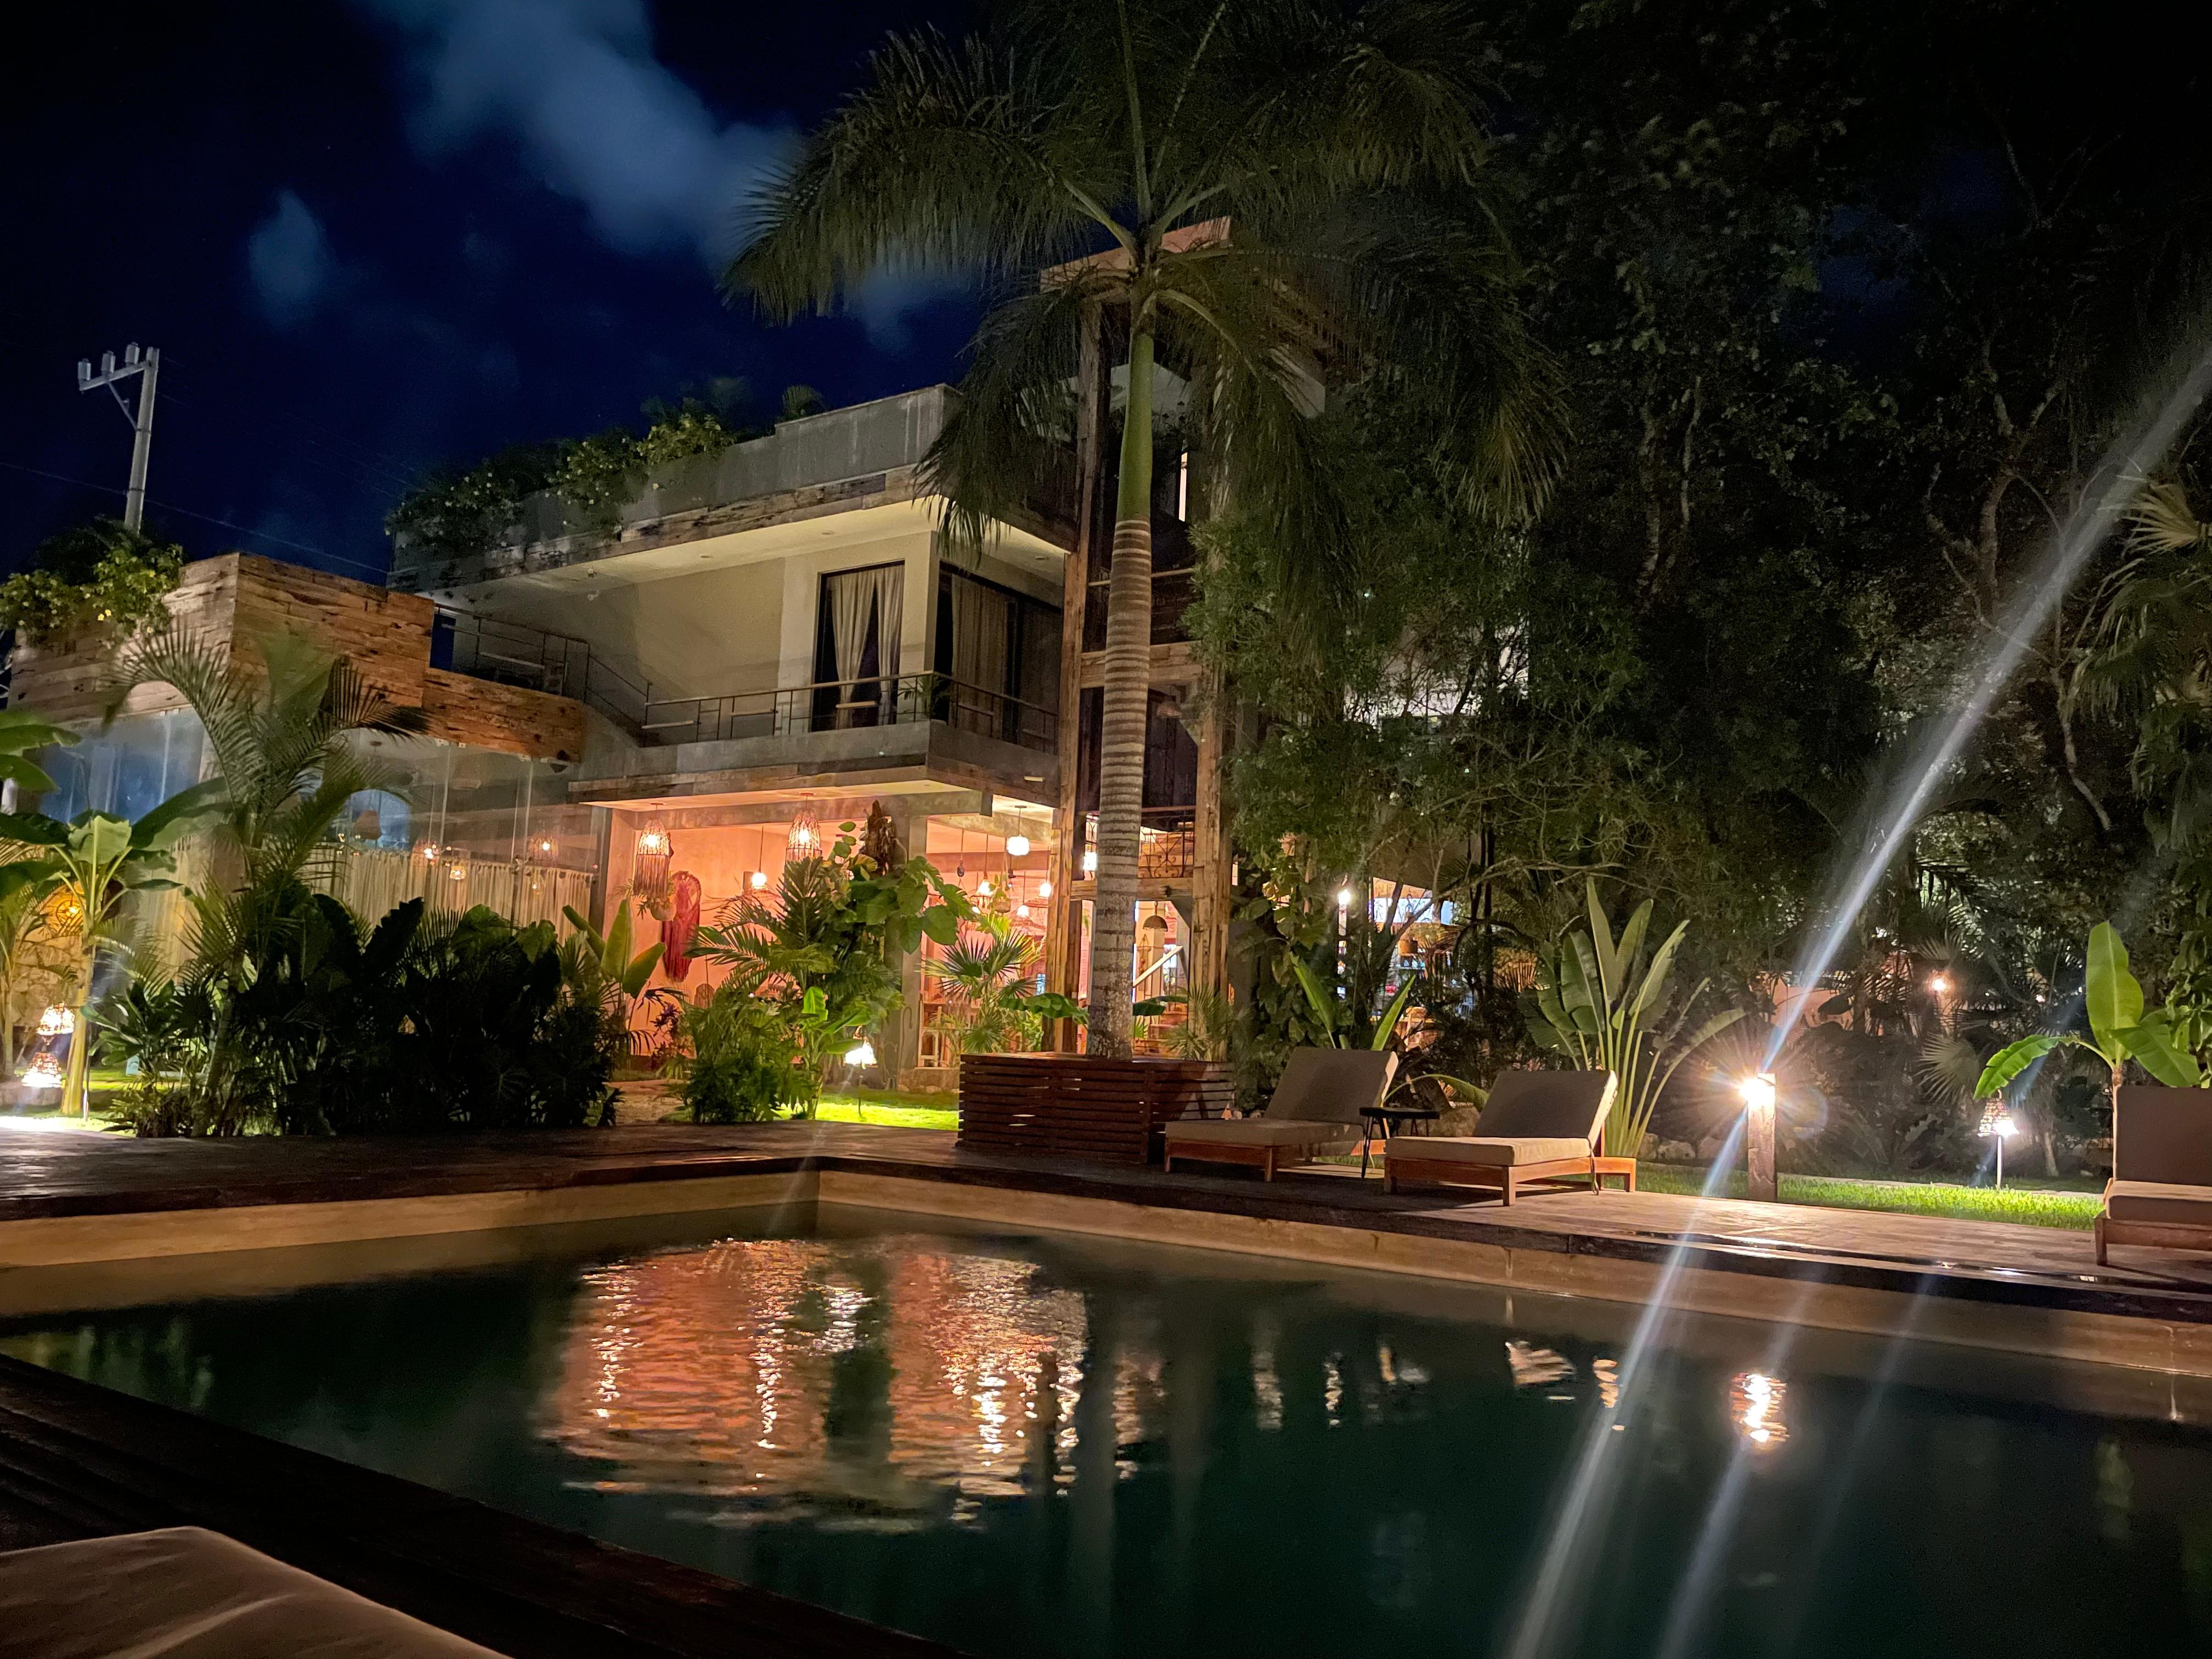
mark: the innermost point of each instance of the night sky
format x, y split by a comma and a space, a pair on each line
373, 235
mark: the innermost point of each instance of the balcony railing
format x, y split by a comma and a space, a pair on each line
832, 705
510, 653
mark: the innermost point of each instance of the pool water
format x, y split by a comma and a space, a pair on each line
1042, 1445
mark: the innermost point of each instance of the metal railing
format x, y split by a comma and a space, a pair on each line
833, 706
512, 653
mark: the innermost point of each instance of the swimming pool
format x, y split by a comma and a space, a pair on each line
1040, 1444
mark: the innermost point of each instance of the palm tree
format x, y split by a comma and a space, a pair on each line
1261, 194
281, 728
983, 972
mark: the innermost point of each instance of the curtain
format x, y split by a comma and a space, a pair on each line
855, 599
979, 654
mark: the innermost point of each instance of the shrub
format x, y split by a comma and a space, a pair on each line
743, 1066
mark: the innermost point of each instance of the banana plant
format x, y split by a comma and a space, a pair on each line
608, 955
99, 860
1601, 1002
1335, 1021
2120, 1028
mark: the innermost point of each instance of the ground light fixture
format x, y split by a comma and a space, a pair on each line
862, 1053
1758, 1093
1998, 1124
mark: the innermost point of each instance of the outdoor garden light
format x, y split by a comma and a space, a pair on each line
1939, 985
862, 1053
44, 1073
1343, 898
1760, 1182
1998, 1124
1017, 847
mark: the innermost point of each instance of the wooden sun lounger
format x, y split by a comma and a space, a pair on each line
1539, 1127
2160, 1193
1320, 1101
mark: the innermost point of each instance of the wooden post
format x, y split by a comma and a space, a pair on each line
1758, 1150
1210, 884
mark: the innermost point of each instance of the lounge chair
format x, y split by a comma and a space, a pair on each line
1537, 1126
1317, 1104
2160, 1193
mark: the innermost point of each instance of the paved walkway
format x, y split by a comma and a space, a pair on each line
44, 1172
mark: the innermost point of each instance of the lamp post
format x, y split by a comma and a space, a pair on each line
1761, 1183
1998, 1124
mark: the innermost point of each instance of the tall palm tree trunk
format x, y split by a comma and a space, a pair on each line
1121, 726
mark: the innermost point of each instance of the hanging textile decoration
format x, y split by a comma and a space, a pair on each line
676, 932
656, 848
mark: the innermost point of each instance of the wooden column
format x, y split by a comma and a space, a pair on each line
1063, 942
1210, 892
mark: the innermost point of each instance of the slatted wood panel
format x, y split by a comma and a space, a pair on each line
1080, 1106
511, 718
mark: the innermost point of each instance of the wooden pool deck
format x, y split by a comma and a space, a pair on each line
76, 1460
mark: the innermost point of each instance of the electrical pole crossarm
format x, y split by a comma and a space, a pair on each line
147, 365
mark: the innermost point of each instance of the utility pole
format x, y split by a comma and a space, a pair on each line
147, 365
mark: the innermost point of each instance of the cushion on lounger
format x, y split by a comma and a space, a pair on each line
185, 1593
2159, 1201
1481, 1148
1255, 1132
1546, 1106
2163, 1135
1332, 1085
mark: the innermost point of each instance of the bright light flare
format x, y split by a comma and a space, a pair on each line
1017, 847
1758, 1091
862, 1053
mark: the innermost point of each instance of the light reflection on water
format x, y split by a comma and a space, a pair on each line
1073, 1449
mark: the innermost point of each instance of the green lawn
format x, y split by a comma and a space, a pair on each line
886, 1109
2040, 1203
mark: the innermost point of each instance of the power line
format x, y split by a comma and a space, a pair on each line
204, 518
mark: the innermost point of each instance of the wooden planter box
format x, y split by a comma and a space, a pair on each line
1076, 1106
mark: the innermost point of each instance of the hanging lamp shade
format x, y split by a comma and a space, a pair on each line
656, 850
805, 841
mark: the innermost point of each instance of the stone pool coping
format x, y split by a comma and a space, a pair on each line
1956, 1282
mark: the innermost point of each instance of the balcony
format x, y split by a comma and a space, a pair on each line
919, 727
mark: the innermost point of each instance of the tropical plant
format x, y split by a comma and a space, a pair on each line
26, 923
1263, 177
1610, 1006
985, 971
2159, 1039
283, 723
738, 1063
96, 861
100, 575
1334, 1013
823, 951
603, 966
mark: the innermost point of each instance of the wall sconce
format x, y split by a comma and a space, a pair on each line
1017, 847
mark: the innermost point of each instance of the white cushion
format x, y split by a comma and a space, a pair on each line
1253, 1132
1485, 1149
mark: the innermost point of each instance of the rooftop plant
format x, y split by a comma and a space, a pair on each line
99, 575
